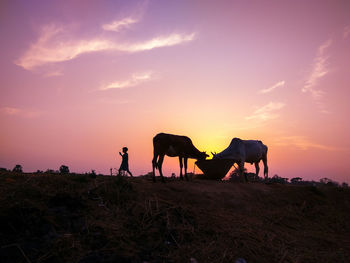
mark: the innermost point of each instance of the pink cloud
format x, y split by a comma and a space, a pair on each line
267, 112
53, 46
273, 87
20, 112
319, 70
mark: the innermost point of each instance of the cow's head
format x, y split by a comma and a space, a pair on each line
214, 155
203, 156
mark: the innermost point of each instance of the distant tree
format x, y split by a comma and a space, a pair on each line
50, 171
344, 185
17, 169
296, 180
64, 169
39, 171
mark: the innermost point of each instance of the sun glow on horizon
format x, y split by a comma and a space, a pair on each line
78, 86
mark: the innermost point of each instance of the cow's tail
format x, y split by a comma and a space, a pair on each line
266, 168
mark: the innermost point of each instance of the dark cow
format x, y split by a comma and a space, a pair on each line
174, 145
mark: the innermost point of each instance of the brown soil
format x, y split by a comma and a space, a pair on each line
76, 218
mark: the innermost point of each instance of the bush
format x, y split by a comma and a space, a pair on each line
92, 174
296, 180
17, 169
328, 182
278, 180
50, 171
64, 169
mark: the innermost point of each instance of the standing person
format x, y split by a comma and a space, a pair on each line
125, 162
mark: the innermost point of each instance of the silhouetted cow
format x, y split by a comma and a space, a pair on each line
249, 151
174, 145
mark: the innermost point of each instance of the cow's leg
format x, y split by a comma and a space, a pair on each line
257, 169
185, 163
241, 170
160, 164
266, 168
181, 165
154, 165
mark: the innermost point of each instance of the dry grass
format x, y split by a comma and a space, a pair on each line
65, 218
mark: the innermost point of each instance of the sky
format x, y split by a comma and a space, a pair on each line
82, 79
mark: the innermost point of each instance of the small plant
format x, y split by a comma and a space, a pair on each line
17, 169
328, 182
50, 171
277, 179
235, 175
64, 169
296, 180
92, 174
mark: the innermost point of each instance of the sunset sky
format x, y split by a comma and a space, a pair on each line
81, 79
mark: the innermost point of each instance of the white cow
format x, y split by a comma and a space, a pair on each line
249, 151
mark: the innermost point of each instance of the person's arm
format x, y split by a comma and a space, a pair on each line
120, 154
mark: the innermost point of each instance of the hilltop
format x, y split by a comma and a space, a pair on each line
77, 218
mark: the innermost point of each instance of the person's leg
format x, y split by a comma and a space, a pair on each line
128, 171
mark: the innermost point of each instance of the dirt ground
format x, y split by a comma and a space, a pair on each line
77, 218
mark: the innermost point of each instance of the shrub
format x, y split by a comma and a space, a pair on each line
50, 171
64, 169
296, 180
17, 169
328, 182
278, 179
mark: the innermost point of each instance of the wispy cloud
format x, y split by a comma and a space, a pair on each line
278, 84
346, 32
163, 41
267, 112
302, 143
118, 25
135, 80
10, 110
19, 112
50, 48
54, 73
113, 101
319, 70
53, 46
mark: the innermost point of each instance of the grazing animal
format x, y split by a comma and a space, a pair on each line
174, 145
249, 151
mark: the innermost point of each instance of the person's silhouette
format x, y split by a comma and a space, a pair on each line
125, 162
